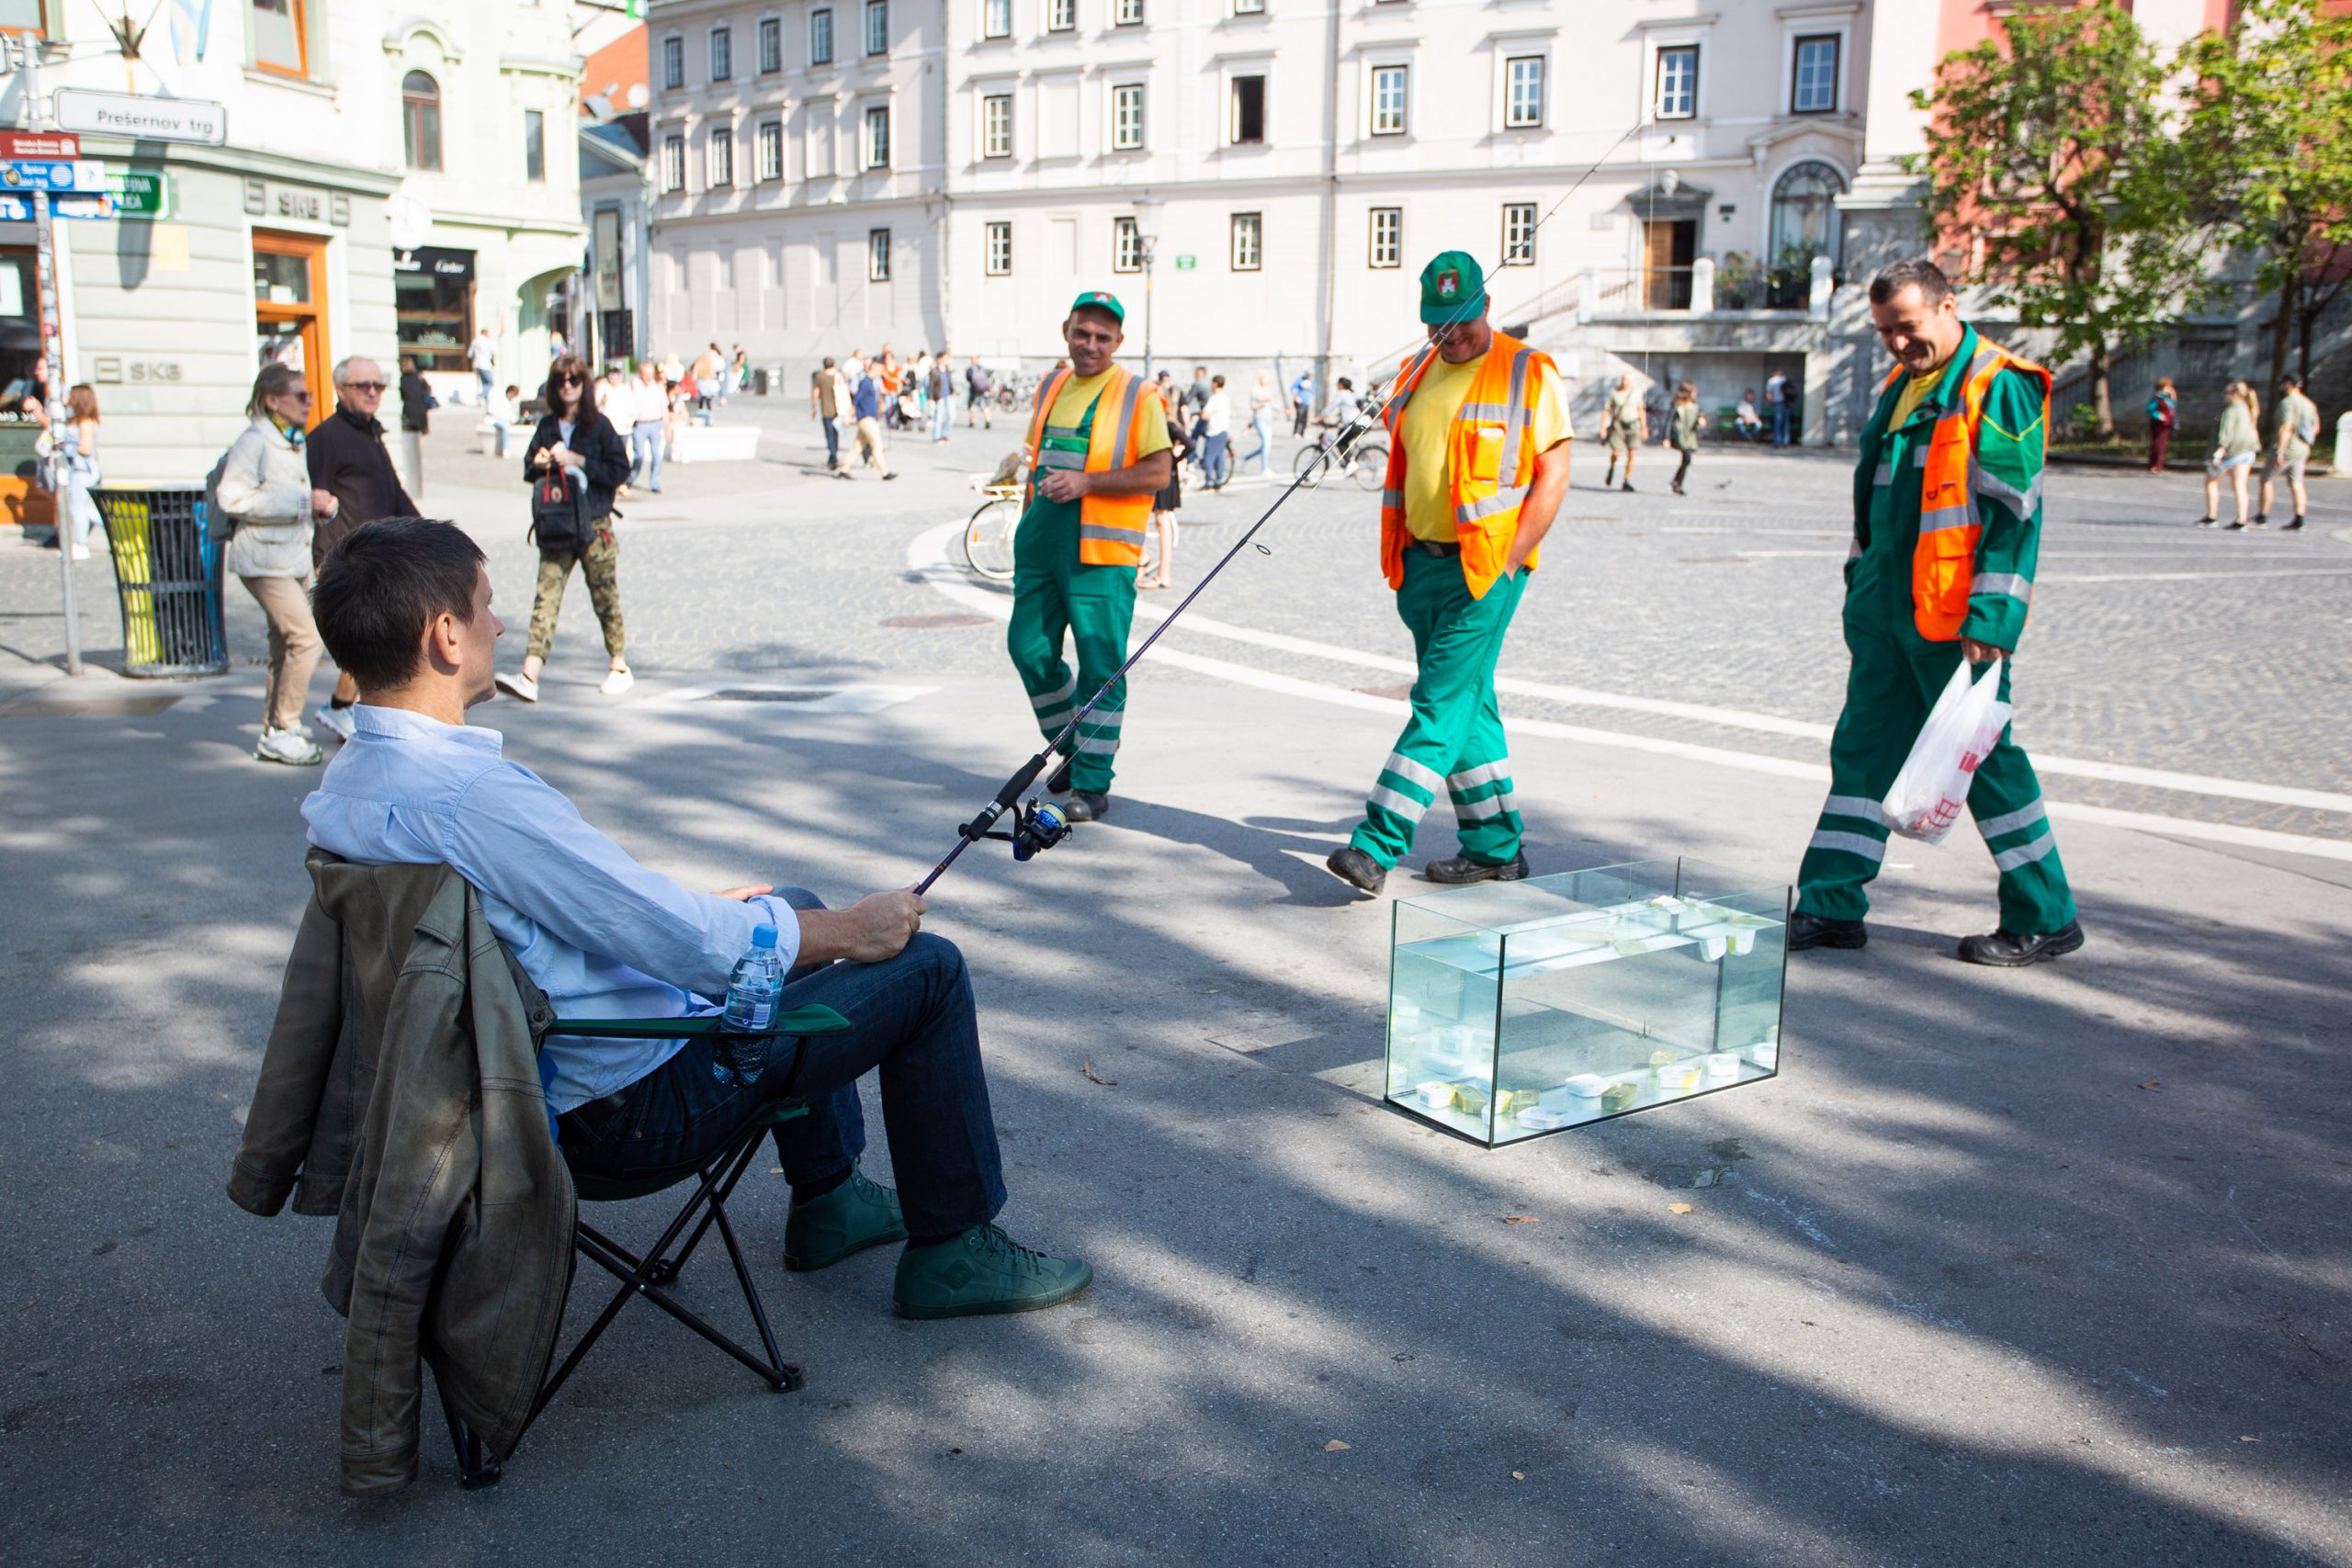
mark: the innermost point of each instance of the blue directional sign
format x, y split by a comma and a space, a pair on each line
59, 175
17, 208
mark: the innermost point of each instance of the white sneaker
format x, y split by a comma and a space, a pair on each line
521, 687
81, 552
616, 682
287, 746
337, 722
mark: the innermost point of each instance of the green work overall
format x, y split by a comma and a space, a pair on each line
1453, 742
1897, 675
1053, 593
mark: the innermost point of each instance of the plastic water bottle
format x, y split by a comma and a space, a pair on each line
751, 991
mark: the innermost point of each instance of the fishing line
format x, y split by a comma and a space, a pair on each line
1037, 827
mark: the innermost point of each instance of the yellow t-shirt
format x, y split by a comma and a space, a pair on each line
1069, 408
1915, 393
1428, 423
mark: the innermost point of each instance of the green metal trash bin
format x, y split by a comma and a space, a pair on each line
167, 576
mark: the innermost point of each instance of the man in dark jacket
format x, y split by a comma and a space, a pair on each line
416, 405
348, 461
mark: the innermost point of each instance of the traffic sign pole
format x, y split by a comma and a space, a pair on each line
52, 347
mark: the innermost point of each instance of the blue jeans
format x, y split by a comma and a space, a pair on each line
1780, 425
81, 474
943, 418
910, 1020
1262, 421
645, 449
832, 428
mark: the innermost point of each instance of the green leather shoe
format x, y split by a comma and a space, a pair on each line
851, 1217
982, 1272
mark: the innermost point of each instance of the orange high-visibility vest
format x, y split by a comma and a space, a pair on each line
1943, 561
1490, 460
1110, 527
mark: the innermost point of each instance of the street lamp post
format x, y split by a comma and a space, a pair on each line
1148, 242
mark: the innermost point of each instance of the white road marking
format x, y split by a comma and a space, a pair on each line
926, 557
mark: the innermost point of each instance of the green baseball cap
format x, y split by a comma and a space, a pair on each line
1096, 299
1453, 288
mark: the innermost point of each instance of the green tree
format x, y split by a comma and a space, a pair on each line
2266, 151
2047, 147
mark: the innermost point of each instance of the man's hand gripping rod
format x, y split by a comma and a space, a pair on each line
1039, 827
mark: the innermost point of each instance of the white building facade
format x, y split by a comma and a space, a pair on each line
1260, 180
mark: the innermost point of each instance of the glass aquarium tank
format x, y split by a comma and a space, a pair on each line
1517, 1009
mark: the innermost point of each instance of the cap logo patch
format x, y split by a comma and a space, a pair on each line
1448, 284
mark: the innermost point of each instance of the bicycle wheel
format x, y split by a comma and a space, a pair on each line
1219, 470
1371, 465
987, 539
1310, 467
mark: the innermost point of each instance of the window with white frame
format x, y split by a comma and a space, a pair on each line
1126, 13
1813, 76
1248, 120
1387, 236
878, 255
673, 162
1677, 81
1248, 7
770, 45
1061, 16
673, 63
877, 27
1126, 245
722, 54
1126, 119
996, 126
1524, 91
821, 35
771, 149
1388, 100
1518, 233
874, 150
718, 172
1248, 241
997, 257
996, 18
535, 146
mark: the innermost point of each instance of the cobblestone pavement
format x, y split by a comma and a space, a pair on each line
2155, 645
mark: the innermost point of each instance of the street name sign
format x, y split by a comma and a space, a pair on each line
140, 192
140, 117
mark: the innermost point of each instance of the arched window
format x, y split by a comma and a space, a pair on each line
1805, 224
421, 120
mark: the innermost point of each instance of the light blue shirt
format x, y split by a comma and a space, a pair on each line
408, 790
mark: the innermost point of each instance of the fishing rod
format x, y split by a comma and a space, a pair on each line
1038, 826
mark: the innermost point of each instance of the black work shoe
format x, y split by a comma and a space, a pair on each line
2290, 527
1812, 930
1462, 868
2232, 528
1057, 782
2013, 949
1357, 869
1627, 486
1086, 806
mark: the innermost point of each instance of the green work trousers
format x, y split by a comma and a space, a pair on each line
1454, 741
1895, 678
1055, 595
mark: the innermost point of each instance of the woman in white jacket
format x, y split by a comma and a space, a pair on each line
266, 497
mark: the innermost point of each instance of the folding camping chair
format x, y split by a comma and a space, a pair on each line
652, 1275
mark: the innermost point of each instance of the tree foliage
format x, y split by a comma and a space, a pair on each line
2265, 150
2049, 146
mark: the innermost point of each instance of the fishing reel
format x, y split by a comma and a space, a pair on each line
1037, 827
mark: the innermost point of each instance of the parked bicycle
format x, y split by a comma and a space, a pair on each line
988, 536
1364, 459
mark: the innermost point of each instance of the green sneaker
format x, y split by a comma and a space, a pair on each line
851, 1217
981, 1271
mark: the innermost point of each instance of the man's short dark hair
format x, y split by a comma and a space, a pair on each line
2291, 379
1896, 276
381, 585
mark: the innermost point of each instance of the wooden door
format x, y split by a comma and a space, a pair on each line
1669, 247
290, 310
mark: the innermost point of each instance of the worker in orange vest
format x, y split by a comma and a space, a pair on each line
1947, 532
1477, 465
1098, 452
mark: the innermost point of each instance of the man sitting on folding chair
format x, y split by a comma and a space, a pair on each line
404, 606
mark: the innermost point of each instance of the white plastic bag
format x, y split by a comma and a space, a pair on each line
1932, 789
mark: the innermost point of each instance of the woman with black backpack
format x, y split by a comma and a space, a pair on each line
573, 464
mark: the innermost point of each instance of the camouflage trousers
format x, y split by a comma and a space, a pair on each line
600, 563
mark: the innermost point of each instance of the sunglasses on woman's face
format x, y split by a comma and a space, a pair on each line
301, 396
572, 380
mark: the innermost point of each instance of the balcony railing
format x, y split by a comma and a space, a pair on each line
1623, 289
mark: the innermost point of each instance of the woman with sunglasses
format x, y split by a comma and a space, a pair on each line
580, 443
265, 507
